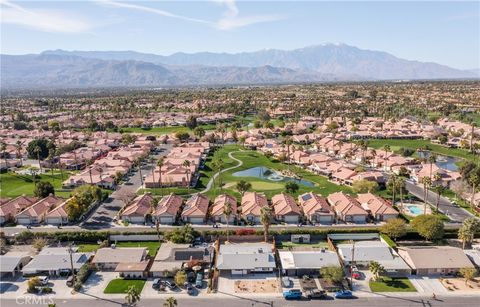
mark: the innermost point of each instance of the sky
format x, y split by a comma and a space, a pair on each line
445, 32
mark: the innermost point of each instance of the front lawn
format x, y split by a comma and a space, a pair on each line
119, 285
14, 185
151, 245
388, 284
286, 245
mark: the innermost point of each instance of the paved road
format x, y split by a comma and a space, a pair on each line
210, 182
103, 216
402, 301
455, 213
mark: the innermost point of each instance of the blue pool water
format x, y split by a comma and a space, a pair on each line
415, 210
270, 175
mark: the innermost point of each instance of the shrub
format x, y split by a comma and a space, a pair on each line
244, 232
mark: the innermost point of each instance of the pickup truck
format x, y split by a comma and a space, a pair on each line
315, 294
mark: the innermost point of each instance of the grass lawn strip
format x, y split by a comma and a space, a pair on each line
152, 246
88, 248
392, 284
120, 286
14, 185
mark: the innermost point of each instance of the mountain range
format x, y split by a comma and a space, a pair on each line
321, 63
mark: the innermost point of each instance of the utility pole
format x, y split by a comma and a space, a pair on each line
70, 251
352, 263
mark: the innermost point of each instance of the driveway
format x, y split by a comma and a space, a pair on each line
428, 285
454, 212
97, 282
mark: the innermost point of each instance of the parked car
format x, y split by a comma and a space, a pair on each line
70, 281
191, 277
43, 280
293, 294
199, 280
157, 283
356, 275
316, 294
344, 294
287, 282
189, 288
170, 284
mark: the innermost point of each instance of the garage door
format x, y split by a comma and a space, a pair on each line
23, 221
54, 221
166, 220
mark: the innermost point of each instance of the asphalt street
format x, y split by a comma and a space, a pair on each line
454, 212
278, 302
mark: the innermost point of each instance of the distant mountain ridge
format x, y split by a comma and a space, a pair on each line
327, 62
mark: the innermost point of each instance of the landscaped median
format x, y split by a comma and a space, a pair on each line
120, 286
392, 284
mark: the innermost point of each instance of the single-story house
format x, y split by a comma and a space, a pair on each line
347, 208
13, 262
364, 252
435, 260
196, 209
171, 256
246, 258
379, 208
286, 209
55, 261
12, 207
138, 209
168, 209
316, 208
108, 258
133, 269
218, 208
252, 203
299, 263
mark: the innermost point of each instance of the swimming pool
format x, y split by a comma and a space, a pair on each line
415, 209
266, 173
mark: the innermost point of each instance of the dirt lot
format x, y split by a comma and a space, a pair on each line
257, 286
458, 284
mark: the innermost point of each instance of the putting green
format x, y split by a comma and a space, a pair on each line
262, 185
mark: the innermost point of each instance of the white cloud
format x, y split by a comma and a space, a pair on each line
43, 20
229, 20
232, 20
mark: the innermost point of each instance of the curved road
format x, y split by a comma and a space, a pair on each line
210, 182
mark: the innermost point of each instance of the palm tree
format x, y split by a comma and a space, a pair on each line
18, 151
138, 163
266, 219
474, 181
186, 164
227, 212
426, 183
170, 302
373, 153
467, 231
51, 156
376, 269
160, 163
439, 189
387, 149
401, 188
133, 296
3, 149
37, 150
218, 166
393, 178
153, 173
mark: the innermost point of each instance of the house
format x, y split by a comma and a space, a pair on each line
108, 258
299, 263
347, 208
55, 261
196, 209
285, 208
379, 208
252, 203
168, 209
218, 208
316, 208
435, 260
12, 207
35, 214
171, 256
58, 215
133, 269
138, 209
12, 263
246, 258
364, 252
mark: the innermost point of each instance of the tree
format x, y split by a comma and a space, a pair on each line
394, 228
180, 278
243, 186
459, 187
426, 184
186, 165
170, 302
333, 274
39, 243
43, 189
291, 187
377, 269
39, 148
18, 151
428, 226
432, 159
468, 274
160, 163
266, 219
364, 186
227, 212
133, 296
191, 122
186, 234
182, 136
474, 180
467, 231
439, 189
32, 284
218, 166
199, 132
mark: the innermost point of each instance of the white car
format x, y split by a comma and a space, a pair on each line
43, 280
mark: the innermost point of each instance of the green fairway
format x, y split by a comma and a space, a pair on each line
151, 245
120, 286
388, 284
13, 185
166, 130
396, 144
262, 185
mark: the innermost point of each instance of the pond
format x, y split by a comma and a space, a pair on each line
265, 173
445, 162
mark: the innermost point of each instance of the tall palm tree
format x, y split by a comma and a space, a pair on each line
373, 153
153, 173
18, 151
186, 164
133, 296
160, 163
432, 159
266, 219
3, 149
401, 187
393, 178
170, 302
227, 212
386, 148
426, 184
474, 181
37, 150
376, 269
